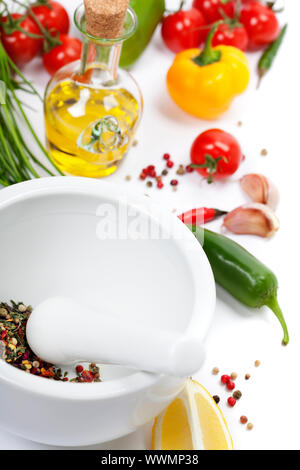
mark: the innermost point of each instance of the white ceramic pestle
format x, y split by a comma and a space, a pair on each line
61, 331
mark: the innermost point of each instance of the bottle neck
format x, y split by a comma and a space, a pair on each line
102, 58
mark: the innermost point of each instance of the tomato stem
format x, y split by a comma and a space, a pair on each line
211, 164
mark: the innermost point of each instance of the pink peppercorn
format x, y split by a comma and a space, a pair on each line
166, 156
174, 183
230, 385
170, 164
160, 184
231, 401
79, 369
189, 169
150, 169
225, 379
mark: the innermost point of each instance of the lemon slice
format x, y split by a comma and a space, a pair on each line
193, 421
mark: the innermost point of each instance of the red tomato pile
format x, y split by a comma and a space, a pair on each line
42, 29
252, 27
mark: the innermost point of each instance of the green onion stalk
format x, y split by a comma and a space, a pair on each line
17, 162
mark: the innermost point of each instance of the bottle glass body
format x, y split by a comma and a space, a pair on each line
92, 107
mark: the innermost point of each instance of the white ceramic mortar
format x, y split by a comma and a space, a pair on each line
49, 246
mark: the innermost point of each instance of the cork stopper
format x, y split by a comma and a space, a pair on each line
105, 18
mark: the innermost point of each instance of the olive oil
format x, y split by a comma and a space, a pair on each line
88, 129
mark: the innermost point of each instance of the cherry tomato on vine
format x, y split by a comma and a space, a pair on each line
211, 9
216, 154
261, 24
68, 51
183, 30
53, 17
235, 36
20, 47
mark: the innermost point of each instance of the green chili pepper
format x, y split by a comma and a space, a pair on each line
267, 58
149, 13
241, 274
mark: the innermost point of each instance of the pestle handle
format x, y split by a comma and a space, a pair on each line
62, 331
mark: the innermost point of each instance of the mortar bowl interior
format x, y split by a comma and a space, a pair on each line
81, 238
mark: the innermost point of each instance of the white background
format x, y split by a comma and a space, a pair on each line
238, 335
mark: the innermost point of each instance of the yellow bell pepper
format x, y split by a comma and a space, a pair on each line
204, 83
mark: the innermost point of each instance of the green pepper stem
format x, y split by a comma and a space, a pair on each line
273, 304
209, 55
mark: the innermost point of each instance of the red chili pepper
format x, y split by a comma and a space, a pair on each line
200, 216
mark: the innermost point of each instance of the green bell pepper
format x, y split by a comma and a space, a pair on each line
149, 14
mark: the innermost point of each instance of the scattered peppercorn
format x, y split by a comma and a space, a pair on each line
247, 376
166, 156
217, 399
79, 369
135, 143
225, 379
250, 426
143, 176
127, 177
230, 385
257, 363
231, 401
174, 183
170, 164
239, 123
149, 184
160, 184
180, 170
264, 152
237, 395
244, 419
189, 169
164, 172
215, 371
234, 376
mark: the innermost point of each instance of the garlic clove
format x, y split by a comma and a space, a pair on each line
252, 219
260, 189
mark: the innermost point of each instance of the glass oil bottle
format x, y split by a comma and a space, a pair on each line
92, 107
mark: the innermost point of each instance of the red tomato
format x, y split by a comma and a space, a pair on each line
261, 24
67, 52
218, 153
20, 47
235, 36
54, 18
211, 9
183, 30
